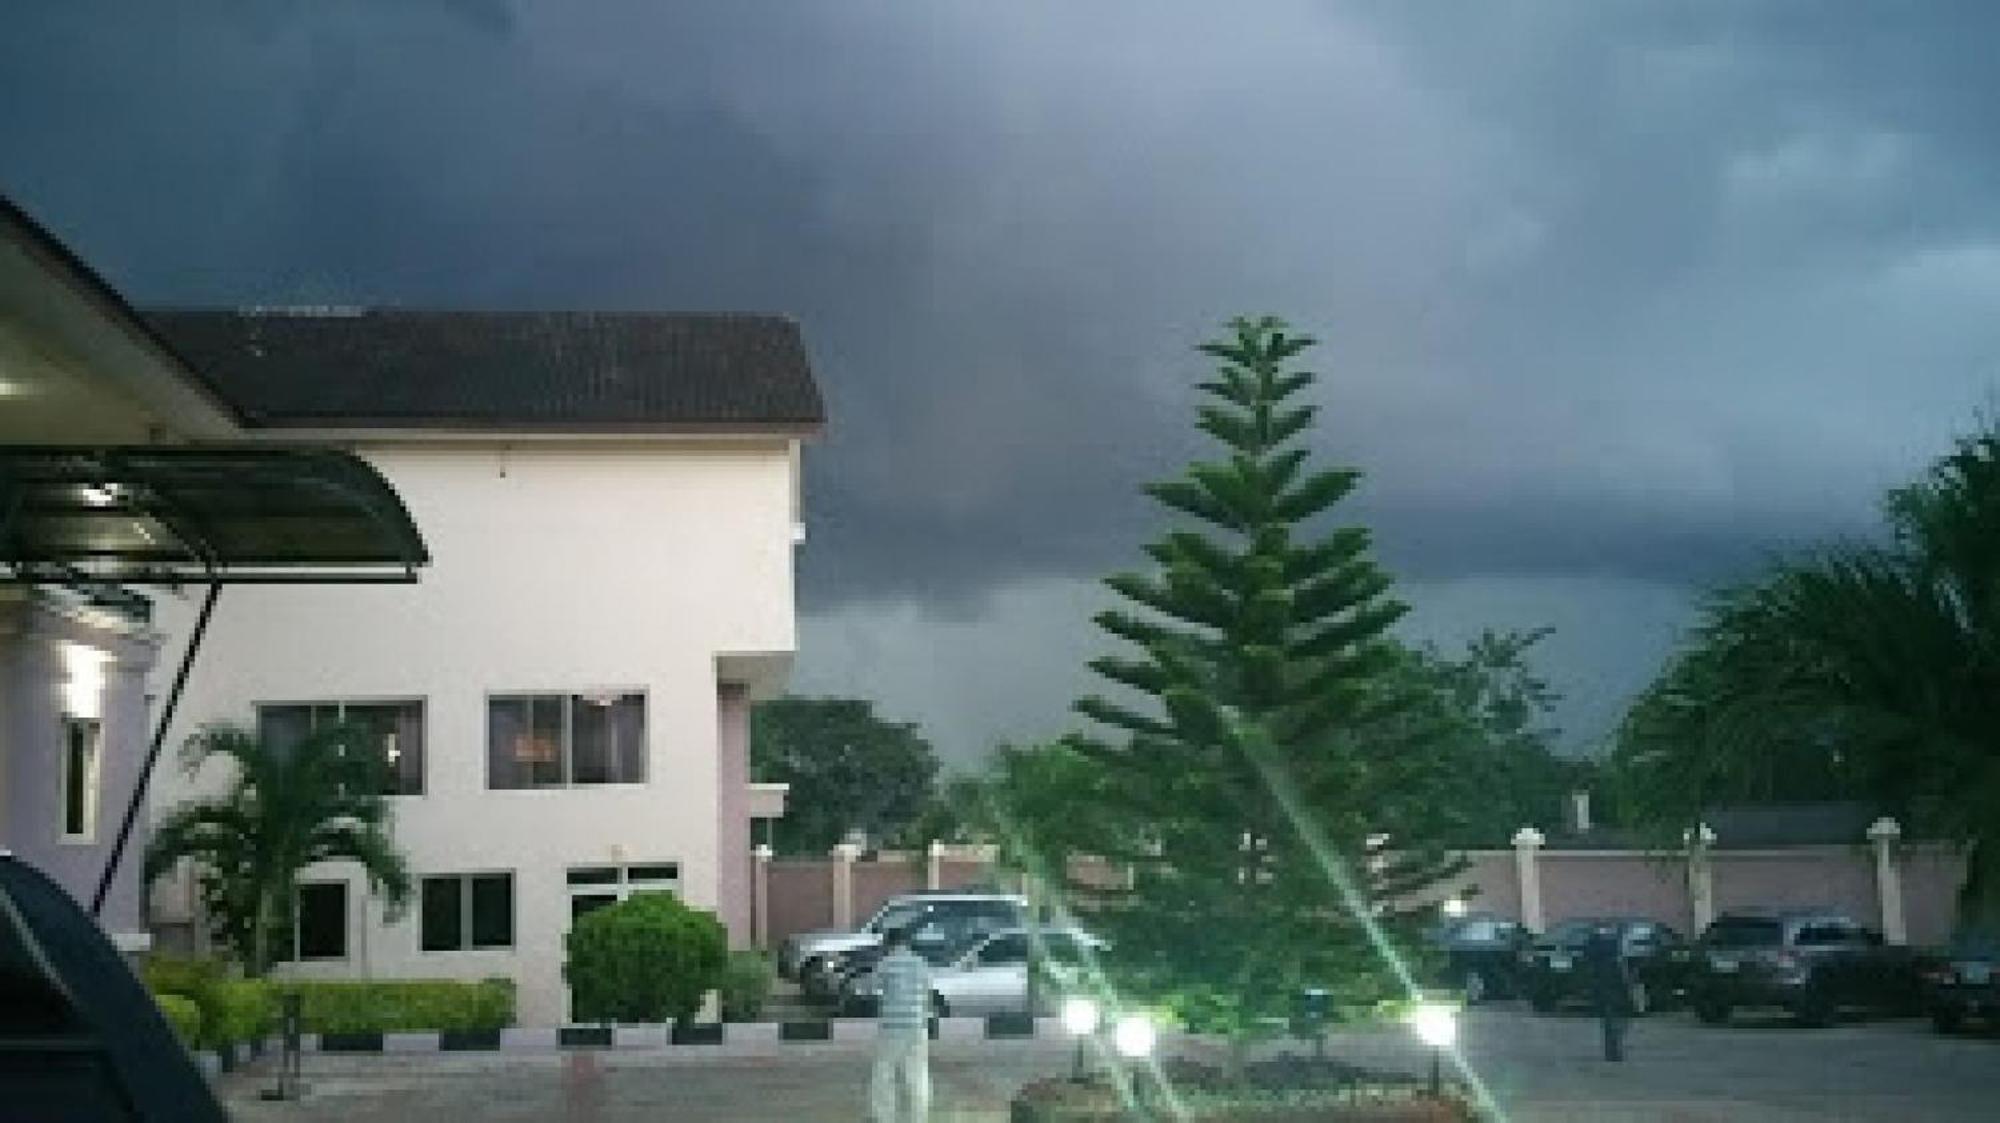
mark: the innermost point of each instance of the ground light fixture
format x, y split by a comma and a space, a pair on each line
1134, 1037
1080, 1017
1436, 1025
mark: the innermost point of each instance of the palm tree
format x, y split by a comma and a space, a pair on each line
1860, 670
287, 807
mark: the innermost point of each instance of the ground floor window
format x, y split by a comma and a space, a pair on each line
319, 921
464, 911
83, 740
593, 887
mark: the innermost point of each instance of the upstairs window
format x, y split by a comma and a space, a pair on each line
565, 740
394, 729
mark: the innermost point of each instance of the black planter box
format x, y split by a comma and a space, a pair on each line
584, 1037
468, 1040
697, 1033
350, 1043
805, 1031
1010, 1025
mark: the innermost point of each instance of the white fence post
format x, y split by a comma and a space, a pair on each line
844, 856
1884, 833
760, 896
1527, 841
1701, 875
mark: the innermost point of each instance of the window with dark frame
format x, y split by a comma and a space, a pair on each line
565, 740
594, 887
83, 740
396, 728
464, 912
320, 927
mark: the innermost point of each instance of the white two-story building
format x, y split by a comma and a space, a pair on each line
611, 503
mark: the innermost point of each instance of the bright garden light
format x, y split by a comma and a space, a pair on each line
1454, 906
1435, 1024
1134, 1037
1080, 1016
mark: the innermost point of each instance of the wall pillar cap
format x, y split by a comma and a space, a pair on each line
762, 851
847, 851
1527, 838
937, 848
1885, 829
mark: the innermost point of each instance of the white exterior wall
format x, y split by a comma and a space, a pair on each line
556, 568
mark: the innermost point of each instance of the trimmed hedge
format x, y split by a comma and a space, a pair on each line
401, 1006
229, 1010
239, 1010
183, 1015
746, 985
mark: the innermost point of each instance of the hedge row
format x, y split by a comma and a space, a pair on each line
227, 1011
402, 1006
183, 1015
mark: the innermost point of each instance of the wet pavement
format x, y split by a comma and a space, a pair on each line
1536, 1068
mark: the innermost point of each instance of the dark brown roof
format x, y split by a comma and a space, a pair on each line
590, 371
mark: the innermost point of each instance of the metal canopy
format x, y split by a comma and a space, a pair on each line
200, 515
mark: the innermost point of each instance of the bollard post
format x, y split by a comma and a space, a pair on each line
289, 1086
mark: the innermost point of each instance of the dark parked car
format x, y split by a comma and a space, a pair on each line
1814, 964
1656, 956
1481, 955
1964, 984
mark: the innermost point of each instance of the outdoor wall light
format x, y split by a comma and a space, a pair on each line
1454, 906
1134, 1037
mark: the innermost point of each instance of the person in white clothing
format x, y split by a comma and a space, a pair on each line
902, 1042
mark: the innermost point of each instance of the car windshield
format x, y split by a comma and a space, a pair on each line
1976, 945
1744, 932
1572, 933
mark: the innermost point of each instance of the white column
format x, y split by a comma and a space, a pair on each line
844, 856
1527, 841
760, 896
934, 871
1701, 875
1884, 833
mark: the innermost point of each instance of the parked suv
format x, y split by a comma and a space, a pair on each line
1482, 955
818, 958
1811, 963
1965, 982
1656, 957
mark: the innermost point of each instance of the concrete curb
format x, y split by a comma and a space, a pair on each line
735, 1038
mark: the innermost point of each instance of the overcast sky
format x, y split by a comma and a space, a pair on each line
1616, 297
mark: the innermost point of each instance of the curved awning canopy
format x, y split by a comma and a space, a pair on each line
200, 515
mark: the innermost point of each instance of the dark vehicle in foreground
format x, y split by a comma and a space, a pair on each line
1814, 964
1657, 959
1963, 985
1481, 956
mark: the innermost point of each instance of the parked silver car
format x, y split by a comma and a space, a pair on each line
812, 958
991, 977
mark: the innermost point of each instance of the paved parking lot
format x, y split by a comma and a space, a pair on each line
1537, 1068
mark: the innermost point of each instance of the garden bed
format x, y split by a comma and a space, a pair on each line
1281, 1090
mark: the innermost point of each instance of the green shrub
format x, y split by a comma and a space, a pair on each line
646, 959
167, 974
183, 1015
400, 1006
746, 984
239, 1010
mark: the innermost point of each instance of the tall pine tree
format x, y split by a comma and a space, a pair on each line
1262, 747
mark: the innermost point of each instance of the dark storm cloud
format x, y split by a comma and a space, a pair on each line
1625, 291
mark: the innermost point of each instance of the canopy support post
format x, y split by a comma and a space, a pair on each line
153, 751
